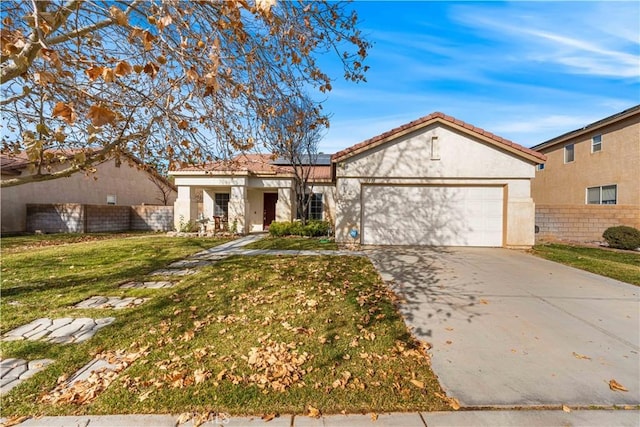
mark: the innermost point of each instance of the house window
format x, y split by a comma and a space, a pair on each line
221, 204
111, 199
540, 167
596, 143
315, 206
568, 153
605, 195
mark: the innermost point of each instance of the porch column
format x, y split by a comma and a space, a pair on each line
208, 197
185, 208
238, 208
284, 205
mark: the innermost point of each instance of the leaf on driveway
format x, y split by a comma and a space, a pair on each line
268, 417
581, 356
565, 408
616, 386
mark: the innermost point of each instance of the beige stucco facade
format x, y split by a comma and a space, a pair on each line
434, 181
124, 184
617, 163
440, 164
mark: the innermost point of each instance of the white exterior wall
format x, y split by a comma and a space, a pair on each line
130, 185
457, 159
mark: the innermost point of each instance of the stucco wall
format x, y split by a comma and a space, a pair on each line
459, 160
130, 185
617, 163
584, 223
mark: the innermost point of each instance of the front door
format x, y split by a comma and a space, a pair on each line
269, 213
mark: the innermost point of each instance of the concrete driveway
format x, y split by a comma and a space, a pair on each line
510, 329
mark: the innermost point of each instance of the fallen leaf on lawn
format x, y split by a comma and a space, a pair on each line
418, 384
565, 408
144, 396
268, 417
313, 412
580, 356
616, 386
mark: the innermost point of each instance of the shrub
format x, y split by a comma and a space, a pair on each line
622, 237
312, 229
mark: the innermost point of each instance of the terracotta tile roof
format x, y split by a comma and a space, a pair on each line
255, 164
433, 117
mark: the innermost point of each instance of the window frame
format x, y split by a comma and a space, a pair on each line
316, 207
220, 205
540, 167
573, 153
598, 143
601, 189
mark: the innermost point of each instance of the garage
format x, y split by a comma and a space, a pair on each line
432, 215
436, 181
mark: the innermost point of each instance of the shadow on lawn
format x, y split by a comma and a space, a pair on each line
428, 290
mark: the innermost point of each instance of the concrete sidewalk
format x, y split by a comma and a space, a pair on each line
621, 418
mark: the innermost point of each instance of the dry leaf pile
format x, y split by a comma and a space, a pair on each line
83, 391
278, 365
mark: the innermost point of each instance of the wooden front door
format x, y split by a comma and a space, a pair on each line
269, 213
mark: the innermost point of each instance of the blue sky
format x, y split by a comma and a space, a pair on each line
526, 71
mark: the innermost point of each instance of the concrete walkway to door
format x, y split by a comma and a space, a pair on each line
509, 329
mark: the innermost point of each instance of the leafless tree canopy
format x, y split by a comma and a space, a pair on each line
168, 81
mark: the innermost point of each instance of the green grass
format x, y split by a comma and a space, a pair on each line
619, 265
293, 243
329, 322
20, 243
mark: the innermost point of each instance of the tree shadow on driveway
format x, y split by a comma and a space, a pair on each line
428, 290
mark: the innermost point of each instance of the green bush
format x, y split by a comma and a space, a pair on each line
312, 229
622, 237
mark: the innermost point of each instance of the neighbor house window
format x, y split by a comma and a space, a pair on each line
540, 167
596, 143
111, 199
568, 153
221, 204
605, 195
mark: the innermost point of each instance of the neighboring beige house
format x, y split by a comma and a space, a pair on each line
590, 181
115, 182
434, 181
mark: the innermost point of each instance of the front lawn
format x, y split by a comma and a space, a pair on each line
294, 243
245, 336
619, 265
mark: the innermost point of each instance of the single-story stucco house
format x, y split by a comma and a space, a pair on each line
434, 181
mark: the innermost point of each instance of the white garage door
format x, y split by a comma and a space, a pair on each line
432, 215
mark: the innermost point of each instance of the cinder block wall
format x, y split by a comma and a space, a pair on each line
77, 218
107, 218
151, 218
61, 218
582, 223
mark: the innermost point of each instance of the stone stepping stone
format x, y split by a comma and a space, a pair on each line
14, 371
147, 285
172, 272
96, 365
116, 303
191, 263
60, 331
